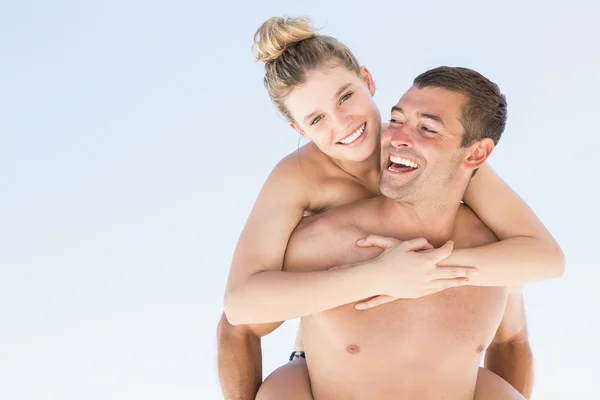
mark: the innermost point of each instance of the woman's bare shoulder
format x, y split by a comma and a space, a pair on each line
307, 162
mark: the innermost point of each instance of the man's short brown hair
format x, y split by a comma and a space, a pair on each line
484, 116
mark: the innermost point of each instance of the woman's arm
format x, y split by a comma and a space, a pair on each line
526, 252
258, 291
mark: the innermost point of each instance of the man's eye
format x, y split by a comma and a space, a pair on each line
426, 129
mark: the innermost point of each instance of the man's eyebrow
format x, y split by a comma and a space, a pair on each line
432, 117
335, 96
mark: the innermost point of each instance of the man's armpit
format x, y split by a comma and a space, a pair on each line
513, 326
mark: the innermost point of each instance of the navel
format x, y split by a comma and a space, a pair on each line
480, 349
353, 349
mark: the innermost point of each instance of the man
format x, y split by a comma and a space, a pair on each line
441, 131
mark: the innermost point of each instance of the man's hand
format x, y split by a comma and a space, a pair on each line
408, 269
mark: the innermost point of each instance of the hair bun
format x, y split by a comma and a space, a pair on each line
276, 34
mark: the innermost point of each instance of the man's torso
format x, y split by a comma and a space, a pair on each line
415, 348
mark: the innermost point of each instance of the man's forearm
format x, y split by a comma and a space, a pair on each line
240, 361
513, 361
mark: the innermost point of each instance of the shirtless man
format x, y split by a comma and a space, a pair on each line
431, 347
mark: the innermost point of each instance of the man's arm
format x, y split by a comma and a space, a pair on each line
509, 355
240, 358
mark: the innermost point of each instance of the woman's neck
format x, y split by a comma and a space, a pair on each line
366, 172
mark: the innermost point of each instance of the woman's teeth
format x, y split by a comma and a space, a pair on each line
355, 135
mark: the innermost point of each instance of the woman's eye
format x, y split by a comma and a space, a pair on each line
345, 97
314, 121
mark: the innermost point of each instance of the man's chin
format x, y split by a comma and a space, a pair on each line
394, 190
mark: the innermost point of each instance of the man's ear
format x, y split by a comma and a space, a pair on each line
479, 153
368, 79
297, 129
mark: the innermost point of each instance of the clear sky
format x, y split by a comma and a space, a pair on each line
135, 136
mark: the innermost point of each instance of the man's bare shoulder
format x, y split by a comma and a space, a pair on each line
341, 217
470, 230
330, 235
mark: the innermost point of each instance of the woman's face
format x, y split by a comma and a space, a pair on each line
334, 108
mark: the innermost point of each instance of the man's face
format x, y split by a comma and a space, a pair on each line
420, 150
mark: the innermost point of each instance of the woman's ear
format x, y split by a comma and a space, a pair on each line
368, 79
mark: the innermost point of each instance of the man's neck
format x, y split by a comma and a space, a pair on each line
433, 219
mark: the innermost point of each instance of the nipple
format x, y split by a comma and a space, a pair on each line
353, 349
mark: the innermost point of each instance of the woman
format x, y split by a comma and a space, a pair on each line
318, 85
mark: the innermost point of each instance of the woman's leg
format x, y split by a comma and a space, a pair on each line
491, 387
290, 382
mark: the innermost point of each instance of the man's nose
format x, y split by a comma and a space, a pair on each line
402, 137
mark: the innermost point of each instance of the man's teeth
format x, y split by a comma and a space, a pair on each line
354, 136
403, 161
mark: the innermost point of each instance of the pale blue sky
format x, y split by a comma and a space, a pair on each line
135, 135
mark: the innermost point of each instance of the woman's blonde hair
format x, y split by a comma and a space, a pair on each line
290, 48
